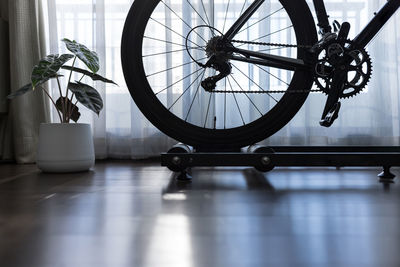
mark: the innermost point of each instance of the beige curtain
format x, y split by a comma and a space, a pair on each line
5, 122
26, 46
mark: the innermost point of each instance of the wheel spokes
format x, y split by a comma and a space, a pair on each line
182, 50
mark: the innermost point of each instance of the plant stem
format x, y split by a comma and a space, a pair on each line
82, 77
69, 81
71, 107
62, 101
52, 100
72, 97
76, 103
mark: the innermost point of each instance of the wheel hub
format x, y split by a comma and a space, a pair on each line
215, 47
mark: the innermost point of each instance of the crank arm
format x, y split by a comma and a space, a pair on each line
332, 104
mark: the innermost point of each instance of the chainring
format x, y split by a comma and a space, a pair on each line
359, 71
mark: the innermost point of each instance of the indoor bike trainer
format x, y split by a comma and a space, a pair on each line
181, 157
223, 75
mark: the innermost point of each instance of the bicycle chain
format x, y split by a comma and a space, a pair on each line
271, 91
268, 92
271, 44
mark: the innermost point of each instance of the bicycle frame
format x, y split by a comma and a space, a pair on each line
361, 40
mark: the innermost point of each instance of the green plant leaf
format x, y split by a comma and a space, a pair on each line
48, 68
95, 77
87, 96
21, 91
75, 114
88, 57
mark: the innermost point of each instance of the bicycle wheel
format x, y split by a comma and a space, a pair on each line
164, 44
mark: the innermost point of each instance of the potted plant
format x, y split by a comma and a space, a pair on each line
65, 146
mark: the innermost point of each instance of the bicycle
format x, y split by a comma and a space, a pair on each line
188, 71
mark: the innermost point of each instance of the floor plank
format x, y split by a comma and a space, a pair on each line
125, 213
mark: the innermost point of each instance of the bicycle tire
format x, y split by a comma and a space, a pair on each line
171, 125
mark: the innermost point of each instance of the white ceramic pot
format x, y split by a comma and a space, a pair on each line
65, 147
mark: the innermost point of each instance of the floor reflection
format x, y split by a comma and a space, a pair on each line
141, 216
291, 217
170, 242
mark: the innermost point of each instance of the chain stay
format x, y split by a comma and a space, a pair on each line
270, 91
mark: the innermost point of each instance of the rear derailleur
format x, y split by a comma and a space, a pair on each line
222, 66
216, 51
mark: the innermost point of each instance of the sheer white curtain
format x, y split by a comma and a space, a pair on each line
121, 131
370, 118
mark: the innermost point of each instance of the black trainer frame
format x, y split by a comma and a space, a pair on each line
263, 158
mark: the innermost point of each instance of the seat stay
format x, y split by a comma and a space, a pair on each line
235, 28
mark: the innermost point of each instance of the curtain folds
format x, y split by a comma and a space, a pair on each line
121, 131
26, 48
5, 127
369, 118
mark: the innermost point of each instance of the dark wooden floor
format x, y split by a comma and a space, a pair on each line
136, 214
